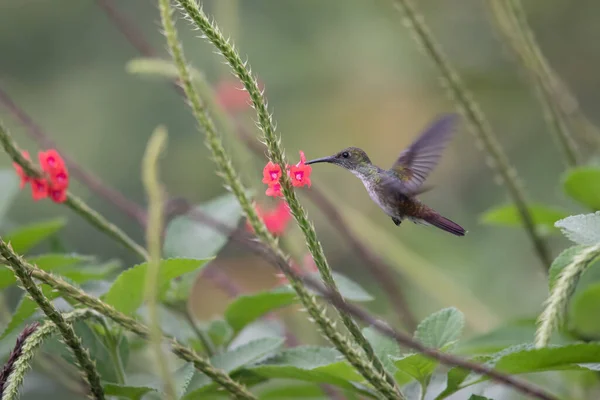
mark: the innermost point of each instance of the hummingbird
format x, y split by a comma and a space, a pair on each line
395, 190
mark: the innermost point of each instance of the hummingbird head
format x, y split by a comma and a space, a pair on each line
351, 158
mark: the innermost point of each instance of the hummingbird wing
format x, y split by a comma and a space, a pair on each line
416, 162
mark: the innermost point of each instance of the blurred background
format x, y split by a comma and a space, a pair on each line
337, 73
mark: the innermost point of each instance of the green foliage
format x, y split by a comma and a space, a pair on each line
126, 391
127, 291
349, 289
27, 237
441, 329
247, 308
582, 229
25, 309
583, 185
543, 216
384, 347
584, 311
564, 259
9, 182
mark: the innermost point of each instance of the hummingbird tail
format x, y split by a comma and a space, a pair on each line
445, 224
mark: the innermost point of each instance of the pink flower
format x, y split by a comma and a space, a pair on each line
300, 173
276, 220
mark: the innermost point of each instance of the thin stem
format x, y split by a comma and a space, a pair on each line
242, 71
66, 330
523, 45
563, 289
73, 202
71, 292
29, 345
154, 230
401, 338
480, 127
208, 345
225, 168
14, 355
111, 195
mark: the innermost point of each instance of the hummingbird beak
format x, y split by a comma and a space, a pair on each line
320, 160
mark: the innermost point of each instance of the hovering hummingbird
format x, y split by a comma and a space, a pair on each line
395, 190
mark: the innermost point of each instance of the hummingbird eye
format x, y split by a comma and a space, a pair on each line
345, 154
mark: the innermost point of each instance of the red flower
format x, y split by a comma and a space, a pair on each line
276, 220
274, 190
57, 195
24, 178
232, 96
300, 173
39, 188
309, 264
308, 267
271, 173
51, 161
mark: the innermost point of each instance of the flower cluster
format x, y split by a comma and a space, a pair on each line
308, 267
299, 174
55, 181
276, 220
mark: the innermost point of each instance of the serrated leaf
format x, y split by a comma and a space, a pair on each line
415, 366
25, 309
46, 262
349, 289
582, 229
583, 185
248, 308
185, 237
584, 311
235, 359
564, 258
440, 329
25, 238
9, 182
127, 391
183, 377
127, 291
383, 346
507, 215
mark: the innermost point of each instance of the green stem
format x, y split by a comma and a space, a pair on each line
208, 345
66, 330
480, 127
113, 351
73, 202
514, 27
154, 230
561, 293
69, 291
371, 369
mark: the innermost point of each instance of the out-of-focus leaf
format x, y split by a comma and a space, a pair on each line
247, 308
302, 391
507, 215
91, 273
126, 391
188, 238
9, 182
564, 258
583, 185
127, 292
584, 311
581, 229
25, 238
478, 397
233, 360
156, 67
383, 346
46, 262
219, 331
441, 329
25, 309
349, 289
415, 366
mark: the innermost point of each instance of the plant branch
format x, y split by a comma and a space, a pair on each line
242, 71
225, 169
66, 330
14, 356
111, 195
154, 229
561, 293
73, 202
480, 127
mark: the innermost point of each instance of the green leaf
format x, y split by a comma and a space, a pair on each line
183, 377
127, 391
25, 238
581, 229
233, 360
219, 331
188, 238
456, 376
127, 292
478, 397
46, 262
248, 308
25, 309
415, 366
289, 391
383, 346
584, 311
507, 215
9, 182
583, 185
441, 328
349, 289
92, 273
564, 258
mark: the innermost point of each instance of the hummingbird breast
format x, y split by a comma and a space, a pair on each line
395, 204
